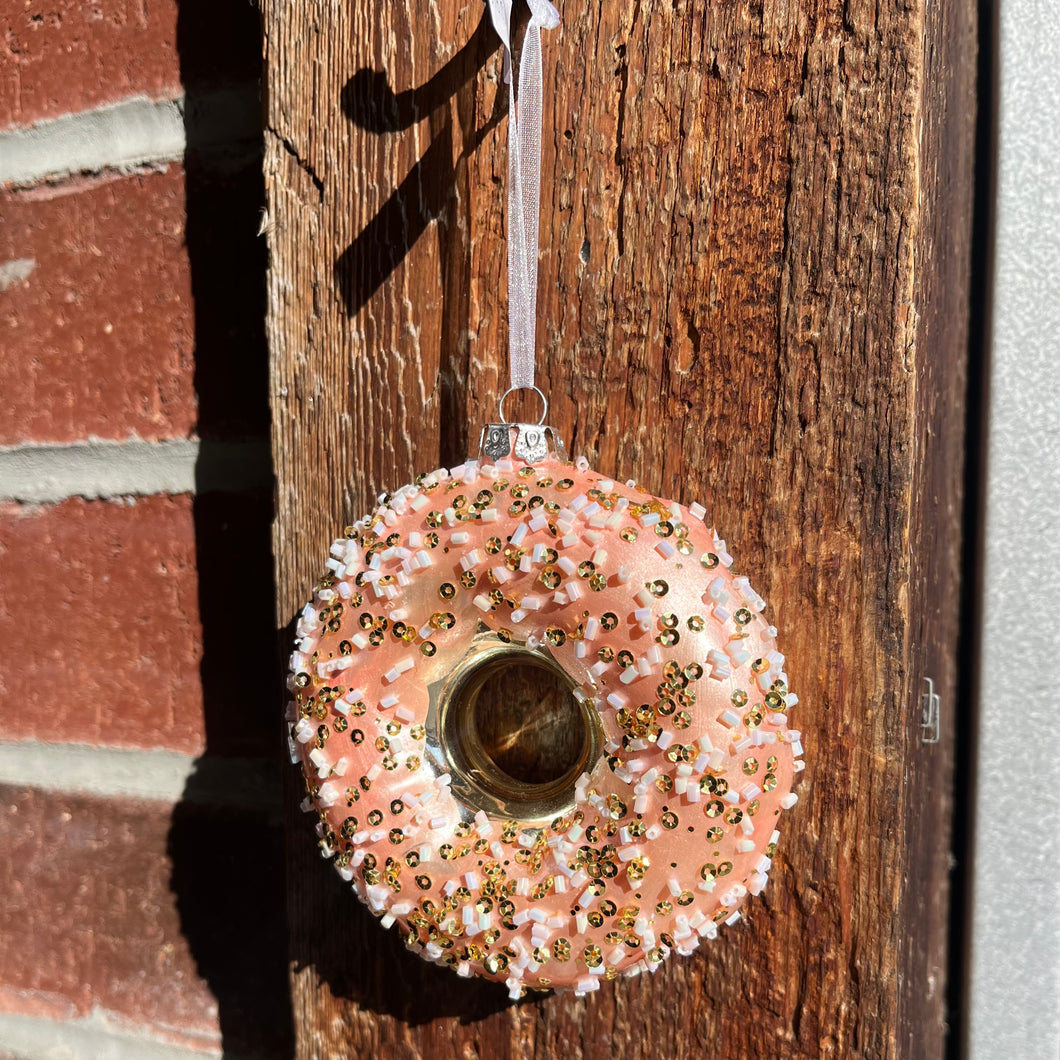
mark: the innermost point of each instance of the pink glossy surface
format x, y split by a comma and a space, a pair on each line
673, 826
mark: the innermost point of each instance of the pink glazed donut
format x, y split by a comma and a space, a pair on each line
669, 817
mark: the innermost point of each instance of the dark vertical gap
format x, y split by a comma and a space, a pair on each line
225, 841
968, 649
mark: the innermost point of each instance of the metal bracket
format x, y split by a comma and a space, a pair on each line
930, 714
533, 442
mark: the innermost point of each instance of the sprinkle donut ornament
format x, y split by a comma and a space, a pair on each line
666, 818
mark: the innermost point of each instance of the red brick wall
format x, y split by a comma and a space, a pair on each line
138, 622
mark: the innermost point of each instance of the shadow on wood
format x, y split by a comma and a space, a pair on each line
371, 104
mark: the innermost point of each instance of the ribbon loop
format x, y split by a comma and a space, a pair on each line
524, 181
544, 14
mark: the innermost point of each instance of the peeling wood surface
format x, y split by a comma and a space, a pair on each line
755, 232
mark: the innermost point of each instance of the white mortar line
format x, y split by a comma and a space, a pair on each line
135, 132
46, 474
98, 1035
15, 271
160, 775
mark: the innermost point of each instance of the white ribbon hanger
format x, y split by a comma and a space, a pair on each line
524, 182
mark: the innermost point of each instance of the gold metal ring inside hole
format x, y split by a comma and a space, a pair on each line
477, 781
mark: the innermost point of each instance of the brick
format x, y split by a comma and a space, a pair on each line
148, 913
103, 638
68, 56
99, 337
141, 313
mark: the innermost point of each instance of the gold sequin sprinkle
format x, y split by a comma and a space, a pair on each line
636, 870
550, 578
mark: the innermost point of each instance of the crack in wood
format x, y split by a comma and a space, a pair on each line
302, 164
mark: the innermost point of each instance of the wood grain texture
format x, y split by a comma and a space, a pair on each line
753, 284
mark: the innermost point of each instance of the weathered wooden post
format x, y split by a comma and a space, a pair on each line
753, 285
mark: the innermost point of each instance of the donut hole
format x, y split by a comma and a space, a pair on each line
512, 734
528, 724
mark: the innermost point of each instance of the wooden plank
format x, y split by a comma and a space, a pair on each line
755, 231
